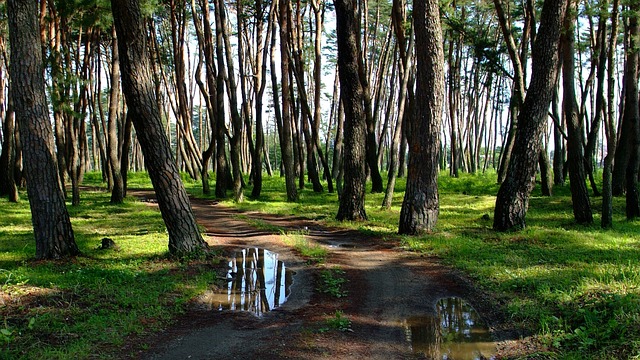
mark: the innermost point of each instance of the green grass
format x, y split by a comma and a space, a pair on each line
315, 253
332, 281
576, 287
87, 307
337, 322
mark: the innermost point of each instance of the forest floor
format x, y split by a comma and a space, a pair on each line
387, 290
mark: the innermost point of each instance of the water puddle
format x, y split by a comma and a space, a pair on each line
257, 282
456, 333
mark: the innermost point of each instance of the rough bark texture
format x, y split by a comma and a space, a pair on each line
610, 126
286, 137
117, 193
137, 81
575, 150
7, 159
632, 115
223, 178
420, 207
355, 126
513, 197
51, 223
261, 81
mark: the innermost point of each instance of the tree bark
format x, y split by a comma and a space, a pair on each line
286, 138
51, 224
137, 81
420, 207
575, 151
513, 197
610, 127
261, 82
355, 125
236, 119
7, 159
631, 114
117, 192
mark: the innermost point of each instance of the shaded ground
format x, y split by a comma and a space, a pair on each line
386, 287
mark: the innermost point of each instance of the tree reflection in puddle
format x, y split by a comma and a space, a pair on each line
456, 333
257, 282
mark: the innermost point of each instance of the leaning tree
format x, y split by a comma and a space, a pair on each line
138, 86
50, 218
513, 197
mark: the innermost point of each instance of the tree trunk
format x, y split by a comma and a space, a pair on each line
577, 175
420, 207
117, 193
286, 139
610, 127
355, 125
631, 114
223, 179
51, 224
545, 172
261, 82
137, 80
397, 133
558, 142
126, 148
236, 119
7, 159
513, 197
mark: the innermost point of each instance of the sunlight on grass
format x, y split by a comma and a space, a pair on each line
95, 301
577, 287
543, 272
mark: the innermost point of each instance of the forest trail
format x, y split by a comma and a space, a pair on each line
391, 299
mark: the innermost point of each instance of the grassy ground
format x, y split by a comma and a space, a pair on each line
577, 287
86, 307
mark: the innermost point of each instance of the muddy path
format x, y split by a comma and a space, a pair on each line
392, 301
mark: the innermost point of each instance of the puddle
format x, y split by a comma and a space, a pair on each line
257, 282
456, 333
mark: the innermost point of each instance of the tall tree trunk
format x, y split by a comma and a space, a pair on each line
610, 127
126, 148
355, 125
631, 113
596, 123
545, 172
318, 10
51, 224
577, 175
420, 207
183, 117
7, 159
286, 138
137, 81
223, 180
397, 133
261, 82
558, 141
236, 119
117, 193
205, 41
513, 197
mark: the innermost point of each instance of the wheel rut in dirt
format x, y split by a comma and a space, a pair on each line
387, 289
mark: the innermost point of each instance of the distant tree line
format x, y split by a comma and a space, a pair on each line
244, 88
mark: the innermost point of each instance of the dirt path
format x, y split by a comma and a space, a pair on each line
387, 290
